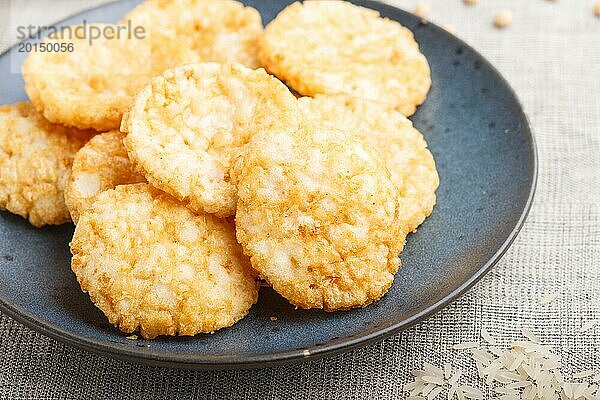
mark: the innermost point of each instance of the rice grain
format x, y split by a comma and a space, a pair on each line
588, 325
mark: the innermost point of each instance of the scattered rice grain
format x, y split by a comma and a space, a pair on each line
510, 397
482, 356
503, 19
580, 389
588, 325
530, 335
548, 298
527, 370
583, 374
471, 392
465, 346
559, 378
518, 384
454, 380
435, 392
447, 370
452, 391
486, 336
496, 351
449, 28
422, 10
432, 369
480, 369
517, 361
428, 388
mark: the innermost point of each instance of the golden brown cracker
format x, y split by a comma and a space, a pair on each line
91, 86
184, 129
401, 146
335, 47
100, 165
152, 265
222, 31
318, 216
35, 157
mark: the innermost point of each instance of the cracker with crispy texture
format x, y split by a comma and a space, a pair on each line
90, 87
152, 265
100, 165
335, 47
222, 31
401, 146
318, 216
184, 129
35, 157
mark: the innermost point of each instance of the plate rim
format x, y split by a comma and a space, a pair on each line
231, 361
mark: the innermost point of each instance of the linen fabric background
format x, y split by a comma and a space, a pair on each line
551, 56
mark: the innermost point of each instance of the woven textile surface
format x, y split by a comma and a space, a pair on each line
551, 56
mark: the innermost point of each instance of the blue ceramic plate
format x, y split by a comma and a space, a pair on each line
486, 159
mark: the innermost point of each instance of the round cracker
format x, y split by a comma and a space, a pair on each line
223, 31
100, 165
335, 47
318, 216
401, 146
35, 156
185, 128
149, 263
91, 86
